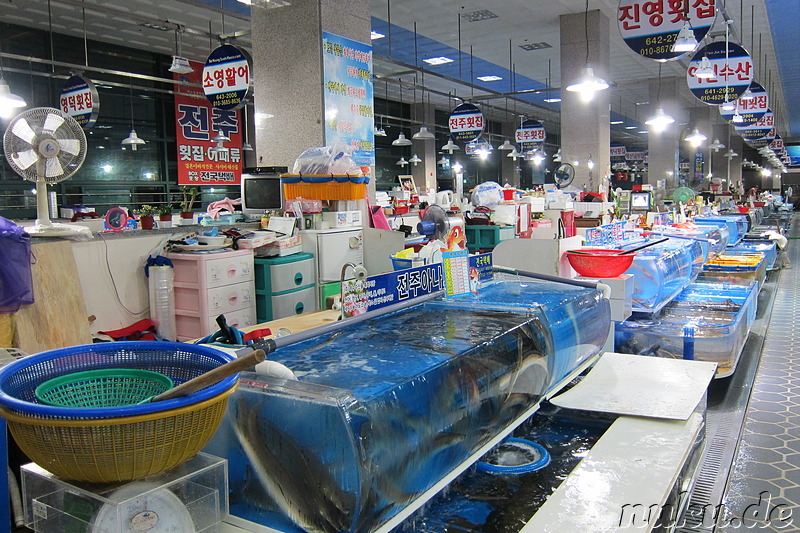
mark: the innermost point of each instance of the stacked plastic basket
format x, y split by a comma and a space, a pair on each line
114, 444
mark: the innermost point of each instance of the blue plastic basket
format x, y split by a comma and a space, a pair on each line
398, 263
179, 361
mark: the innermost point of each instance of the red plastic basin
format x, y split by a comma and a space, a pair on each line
743, 209
599, 262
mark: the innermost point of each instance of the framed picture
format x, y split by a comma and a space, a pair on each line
407, 183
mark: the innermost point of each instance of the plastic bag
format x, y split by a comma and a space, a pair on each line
488, 193
16, 280
325, 160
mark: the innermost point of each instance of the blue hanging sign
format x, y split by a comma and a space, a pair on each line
466, 123
80, 101
651, 28
227, 80
530, 135
761, 133
751, 110
732, 73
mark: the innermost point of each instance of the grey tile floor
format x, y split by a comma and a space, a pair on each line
763, 491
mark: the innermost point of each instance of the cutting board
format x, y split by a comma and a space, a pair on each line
57, 318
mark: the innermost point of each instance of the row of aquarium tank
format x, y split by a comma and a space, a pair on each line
382, 413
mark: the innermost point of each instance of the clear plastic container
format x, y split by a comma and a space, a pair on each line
662, 271
737, 225
713, 238
382, 410
768, 248
742, 265
720, 315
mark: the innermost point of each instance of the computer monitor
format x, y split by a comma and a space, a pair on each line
640, 201
261, 190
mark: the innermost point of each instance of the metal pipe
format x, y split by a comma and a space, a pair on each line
555, 279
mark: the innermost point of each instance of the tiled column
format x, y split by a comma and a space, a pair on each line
585, 128
288, 72
663, 147
424, 173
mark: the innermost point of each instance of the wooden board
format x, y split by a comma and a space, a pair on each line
57, 318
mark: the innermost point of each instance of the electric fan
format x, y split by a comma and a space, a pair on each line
435, 223
683, 195
45, 146
564, 175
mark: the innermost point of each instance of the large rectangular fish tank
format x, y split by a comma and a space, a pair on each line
731, 267
382, 410
713, 238
662, 271
768, 248
707, 321
737, 225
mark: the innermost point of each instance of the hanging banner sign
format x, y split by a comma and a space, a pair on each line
651, 28
197, 122
751, 110
530, 135
227, 80
634, 155
758, 130
684, 166
466, 123
699, 166
618, 152
732, 74
347, 82
762, 141
80, 101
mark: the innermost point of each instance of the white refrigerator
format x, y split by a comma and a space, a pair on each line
332, 248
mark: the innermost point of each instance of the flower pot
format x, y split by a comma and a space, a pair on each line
165, 221
187, 217
146, 222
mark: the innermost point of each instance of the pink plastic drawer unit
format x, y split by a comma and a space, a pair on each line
209, 284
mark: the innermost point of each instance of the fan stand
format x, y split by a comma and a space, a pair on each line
44, 227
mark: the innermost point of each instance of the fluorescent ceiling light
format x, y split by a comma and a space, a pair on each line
489, 78
552, 100
617, 122
660, 120
643, 131
441, 60
247, 2
630, 127
375, 35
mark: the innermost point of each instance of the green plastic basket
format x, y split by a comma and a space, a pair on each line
113, 387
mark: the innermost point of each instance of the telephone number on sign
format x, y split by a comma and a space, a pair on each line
653, 50
669, 38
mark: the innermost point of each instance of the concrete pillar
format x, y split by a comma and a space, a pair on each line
424, 173
585, 128
288, 72
700, 118
663, 147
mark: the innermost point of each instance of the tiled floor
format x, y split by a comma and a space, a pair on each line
764, 488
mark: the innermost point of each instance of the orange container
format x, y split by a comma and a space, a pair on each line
325, 191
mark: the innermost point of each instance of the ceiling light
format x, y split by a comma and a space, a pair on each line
643, 131
443, 161
737, 118
457, 168
631, 127
747, 95
401, 140
379, 132
221, 138
441, 60
617, 122
9, 100
660, 120
375, 35
716, 145
506, 146
705, 70
479, 15
247, 147
696, 138
686, 41
451, 146
217, 148
180, 65
729, 105
557, 156
552, 100
423, 134
490, 78
414, 159
766, 172
513, 154
133, 140
535, 46
402, 162
538, 157
588, 84
483, 152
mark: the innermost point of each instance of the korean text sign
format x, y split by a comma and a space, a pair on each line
197, 122
347, 87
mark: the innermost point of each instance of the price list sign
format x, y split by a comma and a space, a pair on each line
456, 273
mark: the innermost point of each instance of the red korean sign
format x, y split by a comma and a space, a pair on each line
751, 110
634, 155
650, 28
197, 122
732, 73
530, 135
466, 123
226, 78
618, 151
80, 101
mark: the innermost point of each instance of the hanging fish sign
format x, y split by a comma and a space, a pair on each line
714, 73
227, 79
651, 28
466, 123
530, 135
750, 110
80, 101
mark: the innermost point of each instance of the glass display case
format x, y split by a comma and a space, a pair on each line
662, 271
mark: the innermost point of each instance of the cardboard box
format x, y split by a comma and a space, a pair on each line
259, 238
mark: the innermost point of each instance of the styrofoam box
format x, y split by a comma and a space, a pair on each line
259, 238
192, 497
281, 247
342, 219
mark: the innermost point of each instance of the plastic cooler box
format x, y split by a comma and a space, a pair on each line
719, 315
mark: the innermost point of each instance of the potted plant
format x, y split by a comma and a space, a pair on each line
165, 216
146, 214
190, 194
